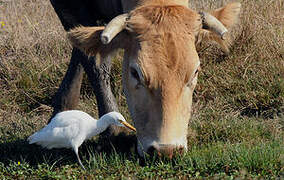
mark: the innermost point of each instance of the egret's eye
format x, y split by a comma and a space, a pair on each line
134, 74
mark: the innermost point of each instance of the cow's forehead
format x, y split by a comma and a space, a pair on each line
166, 43
148, 21
171, 60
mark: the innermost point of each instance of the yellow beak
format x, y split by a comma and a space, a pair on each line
126, 124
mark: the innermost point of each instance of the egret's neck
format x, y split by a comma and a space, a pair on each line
101, 125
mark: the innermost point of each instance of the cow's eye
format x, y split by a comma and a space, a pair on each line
194, 78
134, 74
196, 72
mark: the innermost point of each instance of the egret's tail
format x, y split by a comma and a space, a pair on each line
33, 138
39, 139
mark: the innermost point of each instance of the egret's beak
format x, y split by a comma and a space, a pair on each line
126, 124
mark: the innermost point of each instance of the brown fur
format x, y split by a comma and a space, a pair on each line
163, 2
168, 31
165, 35
229, 16
87, 39
161, 44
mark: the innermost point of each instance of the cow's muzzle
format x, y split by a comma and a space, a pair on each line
165, 150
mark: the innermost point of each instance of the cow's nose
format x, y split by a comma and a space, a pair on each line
165, 150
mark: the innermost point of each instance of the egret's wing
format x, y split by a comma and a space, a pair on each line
64, 119
57, 124
65, 128
56, 136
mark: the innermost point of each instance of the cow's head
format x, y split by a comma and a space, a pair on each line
160, 65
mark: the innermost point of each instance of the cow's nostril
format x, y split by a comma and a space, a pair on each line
180, 150
165, 150
151, 150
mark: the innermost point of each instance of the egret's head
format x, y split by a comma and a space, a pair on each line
119, 120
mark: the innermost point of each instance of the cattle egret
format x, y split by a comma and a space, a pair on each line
69, 129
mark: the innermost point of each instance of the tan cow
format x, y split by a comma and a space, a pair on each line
160, 65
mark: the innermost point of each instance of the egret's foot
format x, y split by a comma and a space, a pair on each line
79, 160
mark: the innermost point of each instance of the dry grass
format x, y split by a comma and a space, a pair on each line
33, 51
239, 94
239, 98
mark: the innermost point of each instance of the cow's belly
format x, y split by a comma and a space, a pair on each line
105, 9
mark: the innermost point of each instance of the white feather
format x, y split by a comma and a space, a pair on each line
69, 129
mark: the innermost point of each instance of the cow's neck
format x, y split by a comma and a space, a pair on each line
178, 2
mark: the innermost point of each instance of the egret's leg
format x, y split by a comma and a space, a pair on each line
79, 160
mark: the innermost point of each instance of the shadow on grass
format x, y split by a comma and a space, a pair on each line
20, 151
268, 112
123, 145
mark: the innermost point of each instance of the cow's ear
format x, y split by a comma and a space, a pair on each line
228, 16
88, 40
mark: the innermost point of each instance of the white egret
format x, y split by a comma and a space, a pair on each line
69, 129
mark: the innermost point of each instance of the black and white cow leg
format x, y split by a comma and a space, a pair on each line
99, 77
67, 96
71, 14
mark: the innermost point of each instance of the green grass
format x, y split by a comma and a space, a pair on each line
234, 147
236, 129
222, 160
